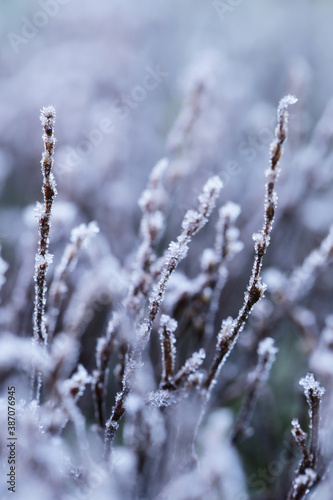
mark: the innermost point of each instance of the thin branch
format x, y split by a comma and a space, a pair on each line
104, 350
151, 229
266, 357
230, 330
300, 437
168, 349
313, 393
43, 258
307, 474
79, 238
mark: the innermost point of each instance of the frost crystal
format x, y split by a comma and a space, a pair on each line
77, 383
295, 422
267, 352
191, 221
306, 479
84, 232
285, 102
161, 398
231, 211
226, 330
311, 387
208, 259
47, 116
258, 238
158, 172
209, 195
191, 365
266, 346
169, 323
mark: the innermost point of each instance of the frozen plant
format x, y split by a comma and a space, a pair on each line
308, 472
126, 359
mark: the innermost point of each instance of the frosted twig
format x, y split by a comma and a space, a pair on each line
300, 437
168, 349
226, 242
229, 331
266, 357
43, 258
80, 237
190, 366
112, 424
104, 350
151, 228
177, 251
313, 393
307, 474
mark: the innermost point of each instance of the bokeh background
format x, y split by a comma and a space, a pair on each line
126, 79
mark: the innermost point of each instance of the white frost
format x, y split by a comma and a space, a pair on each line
311, 387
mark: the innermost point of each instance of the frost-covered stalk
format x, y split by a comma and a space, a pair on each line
118, 410
104, 350
168, 349
226, 241
266, 357
43, 257
177, 251
80, 237
151, 228
227, 245
230, 329
307, 474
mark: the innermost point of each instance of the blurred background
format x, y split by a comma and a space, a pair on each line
197, 81
87, 58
